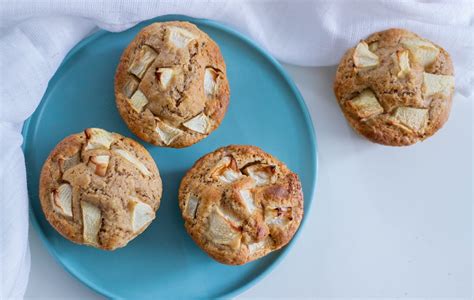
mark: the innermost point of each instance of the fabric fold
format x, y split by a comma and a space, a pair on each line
35, 36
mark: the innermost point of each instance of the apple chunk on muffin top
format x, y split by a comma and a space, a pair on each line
99, 188
395, 88
171, 87
240, 203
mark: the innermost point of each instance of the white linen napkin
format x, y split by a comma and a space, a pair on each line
36, 35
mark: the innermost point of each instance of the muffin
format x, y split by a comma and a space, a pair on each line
240, 203
100, 189
395, 88
171, 87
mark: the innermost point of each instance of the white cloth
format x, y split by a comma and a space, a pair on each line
36, 35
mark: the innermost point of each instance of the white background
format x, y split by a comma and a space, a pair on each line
386, 221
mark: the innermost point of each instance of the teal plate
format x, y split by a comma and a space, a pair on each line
265, 110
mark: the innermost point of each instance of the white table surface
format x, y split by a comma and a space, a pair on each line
386, 222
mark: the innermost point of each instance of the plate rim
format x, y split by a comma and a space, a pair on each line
294, 89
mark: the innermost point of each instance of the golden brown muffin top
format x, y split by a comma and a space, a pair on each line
395, 88
171, 86
100, 188
240, 203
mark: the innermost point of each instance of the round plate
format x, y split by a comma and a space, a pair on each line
265, 110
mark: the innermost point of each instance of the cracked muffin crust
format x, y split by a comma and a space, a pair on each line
171, 87
100, 189
395, 88
240, 203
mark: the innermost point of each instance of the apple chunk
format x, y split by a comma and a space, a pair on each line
92, 221
133, 160
423, 52
247, 197
413, 118
130, 87
254, 248
210, 81
164, 76
200, 123
365, 105
66, 163
101, 163
142, 61
180, 37
229, 175
226, 170
61, 199
98, 139
191, 207
166, 132
222, 231
261, 173
402, 59
278, 216
138, 101
363, 57
141, 214
437, 84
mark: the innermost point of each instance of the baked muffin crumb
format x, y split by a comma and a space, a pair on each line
240, 203
395, 88
100, 189
171, 86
